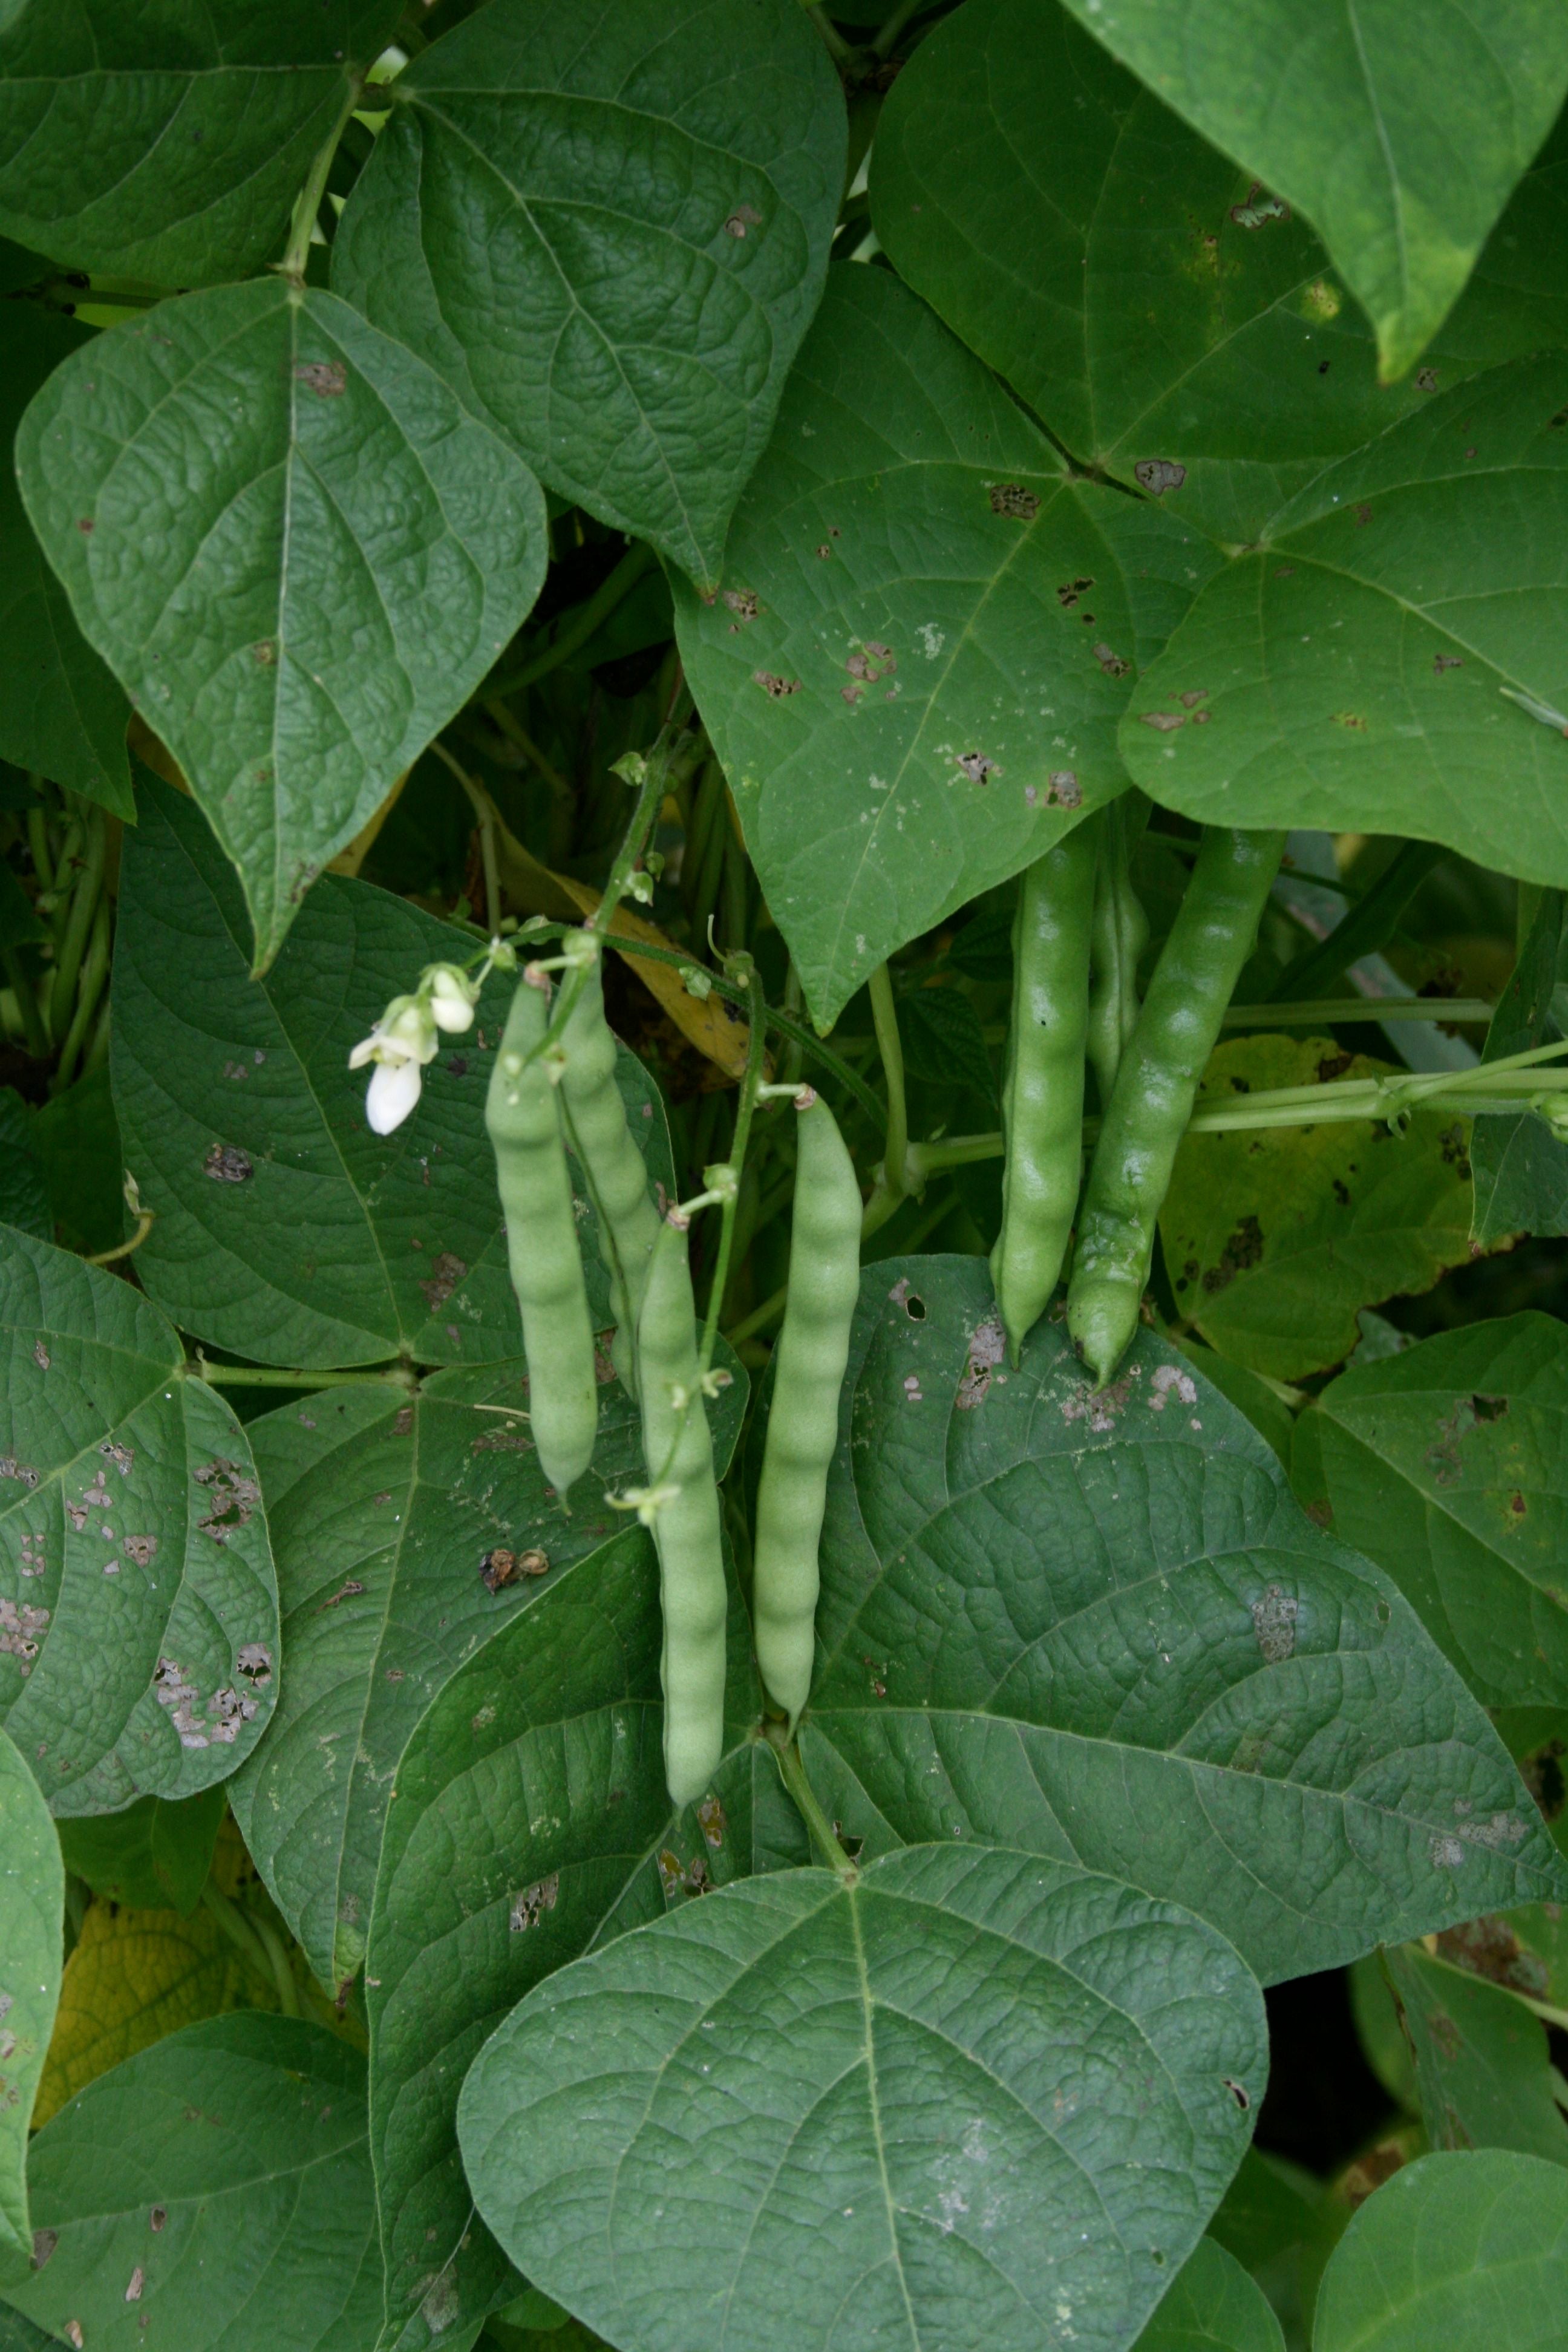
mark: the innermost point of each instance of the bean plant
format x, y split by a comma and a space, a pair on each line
784, 1156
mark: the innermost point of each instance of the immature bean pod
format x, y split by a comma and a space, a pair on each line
524, 1123
678, 1451
1157, 1084
803, 1421
1042, 1096
616, 1173
1120, 935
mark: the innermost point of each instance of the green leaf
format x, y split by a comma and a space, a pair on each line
611, 243
23, 1200
925, 637
1251, 1395
1481, 2063
77, 1142
1520, 1167
1213, 2306
1443, 1465
153, 1854
217, 2187
286, 1230
551, 1738
158, 142
1099, 1627
1400, 137
61, 712
1171, 322
385, 1511
1468, 2252
969, 2096
32, 1904
139, 1633
296, 600
1353, 665
1274, 1239
945, 1042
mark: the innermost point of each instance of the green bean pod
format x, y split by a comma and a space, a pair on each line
617, 1172
524, 1122
1042, 1095
1157, 1084
803, 1421
678, 1451
1121, 933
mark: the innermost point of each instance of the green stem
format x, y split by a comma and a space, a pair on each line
308, 204
32, 1030
38, 840
94, 972
895, 1133
145, 1221
756, 1043
883, 43
833, 40
271, 1944
759, 1319
518, 735
484, 810
1367, 926
252, 1376
79, 925
585, 623
791, 1772
238, 1928
1526, 910
1330, 1010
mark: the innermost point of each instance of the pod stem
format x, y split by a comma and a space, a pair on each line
750, 1085
791, 1772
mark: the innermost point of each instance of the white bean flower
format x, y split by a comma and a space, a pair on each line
452, 995
403, 1041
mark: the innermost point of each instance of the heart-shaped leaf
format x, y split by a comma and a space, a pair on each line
286, 1230
609, 235
61, 712
168, 2196
1099, 1626
924, 639
1274, 1241
957, 2097
166, 143
296, 551
1400, 141
139, 1610
408, 1531
551, 1738
1384, 653
1213, 2307
1468, 2252
1443, 1465
32, 1905
1173, 321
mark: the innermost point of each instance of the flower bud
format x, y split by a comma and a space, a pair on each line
451, 995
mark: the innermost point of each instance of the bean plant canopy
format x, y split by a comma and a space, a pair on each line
784, 1171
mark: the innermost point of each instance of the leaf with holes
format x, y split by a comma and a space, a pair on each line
954, 2090
286, 1230
1389, 653
409, 1532
1213, 2306
1481, 2063
1468, 2252
530, 1823
1400, 137
167, 2198
61, 712
1099, 1627
1274, 1240
1174, 323
608, 232
32, 1900
163, 142
295, 551
1520, 1165
1445, 1465
924, 639
138, 1606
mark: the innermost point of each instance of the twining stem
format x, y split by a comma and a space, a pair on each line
254, 1376
484, 810
79, 925
145, 1221
308, 205
585, 623
792, 1771
895, 1133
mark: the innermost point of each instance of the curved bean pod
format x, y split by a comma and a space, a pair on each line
524, 1123
1042, 1095
803, 1421
1121, 933
678, 1451
1156, 1084
617, 1176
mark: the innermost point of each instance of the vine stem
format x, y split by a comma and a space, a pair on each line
791, 1772
308, 204
886, 38
1330, 1009
893, 1176
756, 1043
833, 40
589, 618
145, 1221
266, 1376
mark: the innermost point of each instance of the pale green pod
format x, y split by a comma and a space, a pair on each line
1121, 933
617, 1176
802, 1419
678, 1451
524, 1123
1042, 1094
